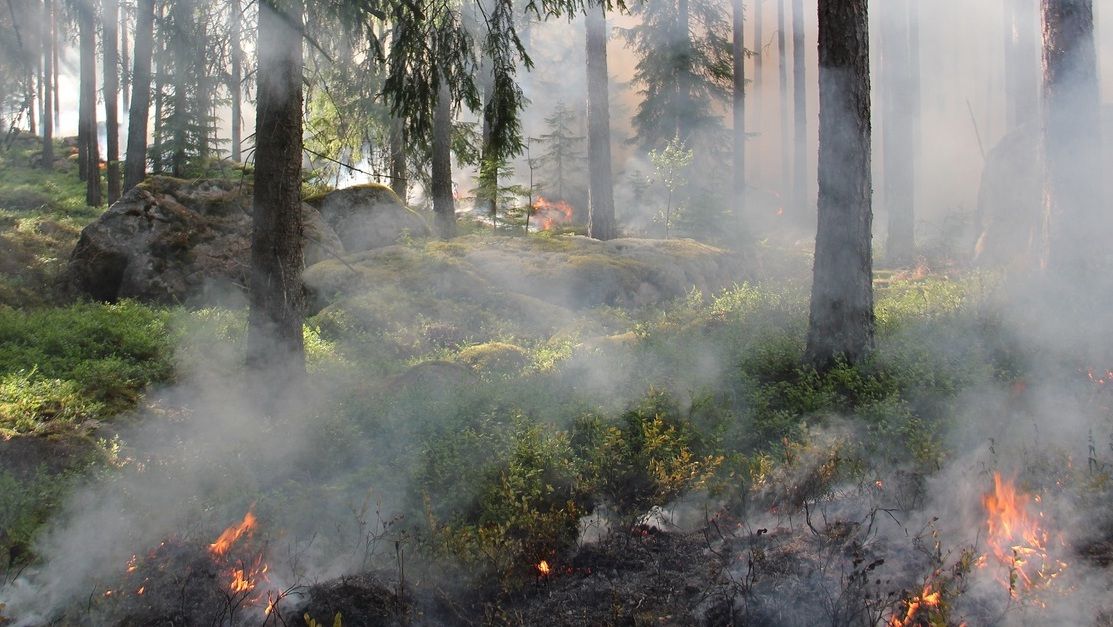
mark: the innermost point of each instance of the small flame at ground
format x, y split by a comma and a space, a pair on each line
544, 568
1016, 539
232, 534
927, 598
552, 213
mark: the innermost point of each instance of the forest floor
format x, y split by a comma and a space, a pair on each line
487, 456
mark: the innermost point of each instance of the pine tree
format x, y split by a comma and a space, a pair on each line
563, 155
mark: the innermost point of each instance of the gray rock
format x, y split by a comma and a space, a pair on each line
170, 240
368, 216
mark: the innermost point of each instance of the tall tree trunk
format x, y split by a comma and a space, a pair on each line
444, 207
488, 163
782, 74
898, 137
276, 294
135, 167
841, 321
683, 41
397, 140
738, 53
755, 84
1072, 132
180, 14
601, 220
87, 116
54, 64
235, 90
111, 68
125, 61
158, 164
47, 73
1021, 62
800, 112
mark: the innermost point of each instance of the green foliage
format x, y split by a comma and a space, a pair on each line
672, 166
563, 158
25, 504
79, 362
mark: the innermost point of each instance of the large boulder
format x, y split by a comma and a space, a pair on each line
368, 216
1010, 198
170, 240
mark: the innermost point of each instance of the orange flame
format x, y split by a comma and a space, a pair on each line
927, 598
1016, 538
231, 534
544, 568
552, 213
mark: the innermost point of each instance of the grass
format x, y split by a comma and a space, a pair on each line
41, 216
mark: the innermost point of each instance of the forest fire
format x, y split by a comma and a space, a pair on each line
544, 569
914, 607
1017, 540
243, 577
552, 213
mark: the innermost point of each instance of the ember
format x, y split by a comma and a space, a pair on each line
544, 568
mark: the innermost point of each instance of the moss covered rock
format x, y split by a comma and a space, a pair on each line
368, 216
495, 358
172, 240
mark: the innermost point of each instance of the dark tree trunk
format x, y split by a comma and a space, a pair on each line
800, 113
1072, 132
157, 162
841, 320
54, 63
488, 164
444, 207
601, 220
782, 74
898, 137
87, 116
135, 166
739, 110
111, 89
47, 73
398, 158
182, 57
1021, 62
276, 295
235, 89
125, 60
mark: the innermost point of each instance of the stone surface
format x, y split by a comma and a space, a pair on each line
179, 241
368, 216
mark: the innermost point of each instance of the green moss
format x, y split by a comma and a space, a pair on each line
495, 358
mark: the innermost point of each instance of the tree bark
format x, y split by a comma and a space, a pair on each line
87, 115
125, 61
277, 298
800, 113
180, 13
157, 162
110, 40
898, 137
601, 219
758, 54
397, 141
444, 206
235, 89
1072, 144
135, 166
738, 53
684, 71
47, 73
841, 320
782, 74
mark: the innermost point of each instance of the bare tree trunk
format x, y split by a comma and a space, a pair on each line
125, 60
397, 141
87, 116
111, 69
47, 73
54, 63
758, 52
180, 13
159, 77
800, 113
841, 321
898, 137
782, 70
444, 207
135, 167
739, 57
601, 220
235, 89
277, 297
1021, 62
1072, 132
